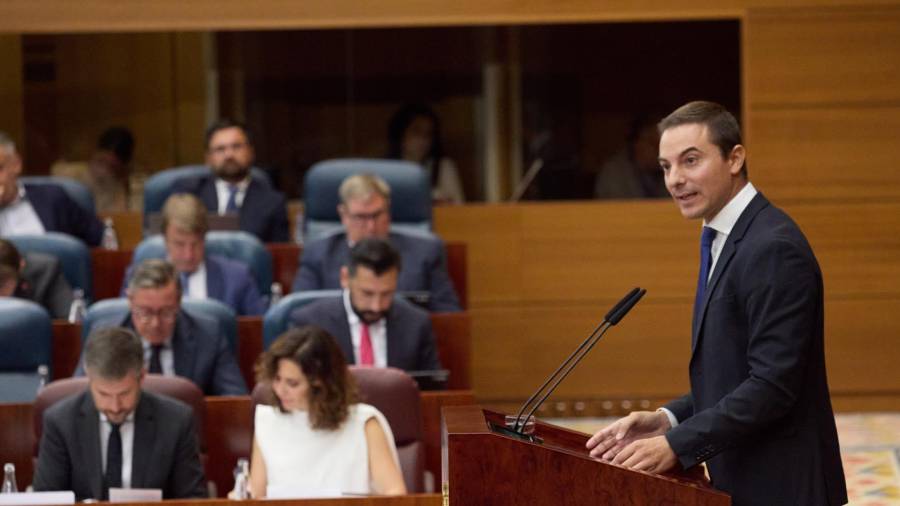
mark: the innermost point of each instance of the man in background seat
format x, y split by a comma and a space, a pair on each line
230, 189
36, 277
365, 213
371, 325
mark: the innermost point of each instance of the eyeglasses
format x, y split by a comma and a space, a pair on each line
366, 217
143, 314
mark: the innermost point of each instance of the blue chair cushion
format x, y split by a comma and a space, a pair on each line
26, 336
277, 318
73, 255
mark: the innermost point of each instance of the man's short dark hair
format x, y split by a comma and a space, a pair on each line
10, 261
113, 352
223, 124
119, 141
724, 130
375, 254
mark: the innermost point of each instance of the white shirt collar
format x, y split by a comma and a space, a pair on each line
128, 419
724, 221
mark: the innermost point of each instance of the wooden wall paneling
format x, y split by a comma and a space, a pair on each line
811, 57
109, 268
454, 343
250, 346
17, 440
66, 348
837, 153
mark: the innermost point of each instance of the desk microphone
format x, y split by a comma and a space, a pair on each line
613, 317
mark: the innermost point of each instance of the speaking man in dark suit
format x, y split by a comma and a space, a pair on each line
175, 342
35, 209
36, 277
202, 276
759, 412
371, 325
114, 435
230, 189
365, 212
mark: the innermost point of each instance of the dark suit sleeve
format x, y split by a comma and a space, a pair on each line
59, 294
251, 303
187, 479
428, 359
682, 407
309, 275
779, 298
443, 296
81, 223
227, 379
279, 230
54, 467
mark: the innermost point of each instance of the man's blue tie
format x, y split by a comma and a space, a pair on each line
232, 206
706, 240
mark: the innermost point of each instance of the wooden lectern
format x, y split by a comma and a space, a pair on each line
483, 466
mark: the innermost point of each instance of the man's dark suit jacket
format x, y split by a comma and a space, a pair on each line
759, 411
227, 281
263, 212
423, 267
59, 213
165, 453
410, 340
42, 281
200, 352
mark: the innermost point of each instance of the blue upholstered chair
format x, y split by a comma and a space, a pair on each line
74, 257
276, 319
78, 192
208, 308
158, 187
410, 194
26, 341
235, 245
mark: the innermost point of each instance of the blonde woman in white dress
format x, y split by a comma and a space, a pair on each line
315, 440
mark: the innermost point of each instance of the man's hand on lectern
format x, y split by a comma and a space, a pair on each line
609, 442
653, 455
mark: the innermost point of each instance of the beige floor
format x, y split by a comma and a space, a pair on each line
870, 449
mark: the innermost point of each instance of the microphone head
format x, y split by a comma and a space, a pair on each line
620, 311
619, 304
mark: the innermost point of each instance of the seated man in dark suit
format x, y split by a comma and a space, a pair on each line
35, 209
176, 343
371, 325
365, 212
36, 277
114, 435
203, 276
229, 188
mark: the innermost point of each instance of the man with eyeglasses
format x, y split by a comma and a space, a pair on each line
229, 188
175, 342
365, 213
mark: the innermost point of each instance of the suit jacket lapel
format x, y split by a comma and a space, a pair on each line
249, 204
142, 449
728, 251
45, 212
215, 281
183, 347
89, 427
344, 338
208, 194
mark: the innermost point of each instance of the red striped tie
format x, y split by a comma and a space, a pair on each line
366, 355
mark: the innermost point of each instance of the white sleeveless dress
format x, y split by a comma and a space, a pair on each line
306, 462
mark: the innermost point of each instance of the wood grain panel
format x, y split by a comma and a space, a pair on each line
834, 153
809, 56
12, 113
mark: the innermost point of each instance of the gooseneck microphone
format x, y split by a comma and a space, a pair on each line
612, 317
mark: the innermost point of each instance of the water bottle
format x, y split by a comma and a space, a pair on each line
298, 228
78, 307
242, 479
277, 293
110, 241
43, 376
9, 479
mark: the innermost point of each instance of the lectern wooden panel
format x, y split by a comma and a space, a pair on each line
481, 466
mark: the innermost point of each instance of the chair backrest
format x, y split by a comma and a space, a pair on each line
116, 309
78, 192
236, 245
26, 338
410, 193
158, 187
277, 318
396, 395
73, 255
171, 386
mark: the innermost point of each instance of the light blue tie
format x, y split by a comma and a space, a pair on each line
232, 206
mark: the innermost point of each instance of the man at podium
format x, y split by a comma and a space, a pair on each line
759, 412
